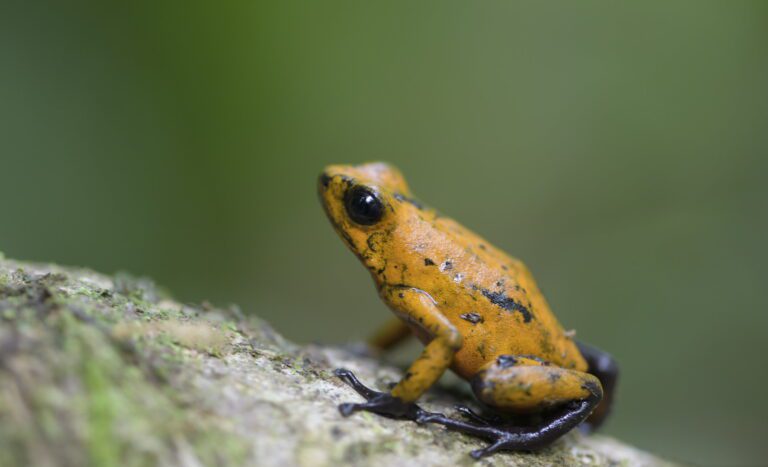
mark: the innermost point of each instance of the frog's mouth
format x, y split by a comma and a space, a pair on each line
343, 234
327, 198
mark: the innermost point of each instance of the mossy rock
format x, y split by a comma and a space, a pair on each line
99, 370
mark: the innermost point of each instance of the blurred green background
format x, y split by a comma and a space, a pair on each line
619, 149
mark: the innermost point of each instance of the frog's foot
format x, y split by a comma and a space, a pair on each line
468, 413
381, 403
505, 436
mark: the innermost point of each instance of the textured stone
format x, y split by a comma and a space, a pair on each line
112, 371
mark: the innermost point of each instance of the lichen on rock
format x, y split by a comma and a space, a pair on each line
98, 370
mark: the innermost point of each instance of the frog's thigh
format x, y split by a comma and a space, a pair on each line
522, 384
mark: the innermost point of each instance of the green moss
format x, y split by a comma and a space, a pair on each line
140, 288
86, 292
102, 446
91, 403
122, 406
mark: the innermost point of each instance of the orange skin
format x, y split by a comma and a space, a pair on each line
467, 301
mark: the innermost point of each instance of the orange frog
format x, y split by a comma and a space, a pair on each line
477, 310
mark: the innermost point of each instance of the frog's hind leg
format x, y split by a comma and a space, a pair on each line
508, 437
602, 365
522, 385
485, 419
390, 335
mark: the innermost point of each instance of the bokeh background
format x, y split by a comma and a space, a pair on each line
619, 149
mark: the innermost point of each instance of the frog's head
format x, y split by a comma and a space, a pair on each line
362, 203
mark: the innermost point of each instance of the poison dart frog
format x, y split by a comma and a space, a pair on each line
478, 312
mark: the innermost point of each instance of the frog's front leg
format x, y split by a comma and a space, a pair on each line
523, 385
419, 308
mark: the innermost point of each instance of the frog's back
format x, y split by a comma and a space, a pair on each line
490, 297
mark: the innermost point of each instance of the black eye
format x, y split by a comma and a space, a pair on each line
363, 207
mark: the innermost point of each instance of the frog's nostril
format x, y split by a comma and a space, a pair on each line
325, 180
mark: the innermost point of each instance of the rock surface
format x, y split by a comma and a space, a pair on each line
99, 370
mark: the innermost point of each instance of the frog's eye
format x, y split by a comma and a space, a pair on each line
363, 206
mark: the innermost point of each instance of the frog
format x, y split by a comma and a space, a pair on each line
477, 310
